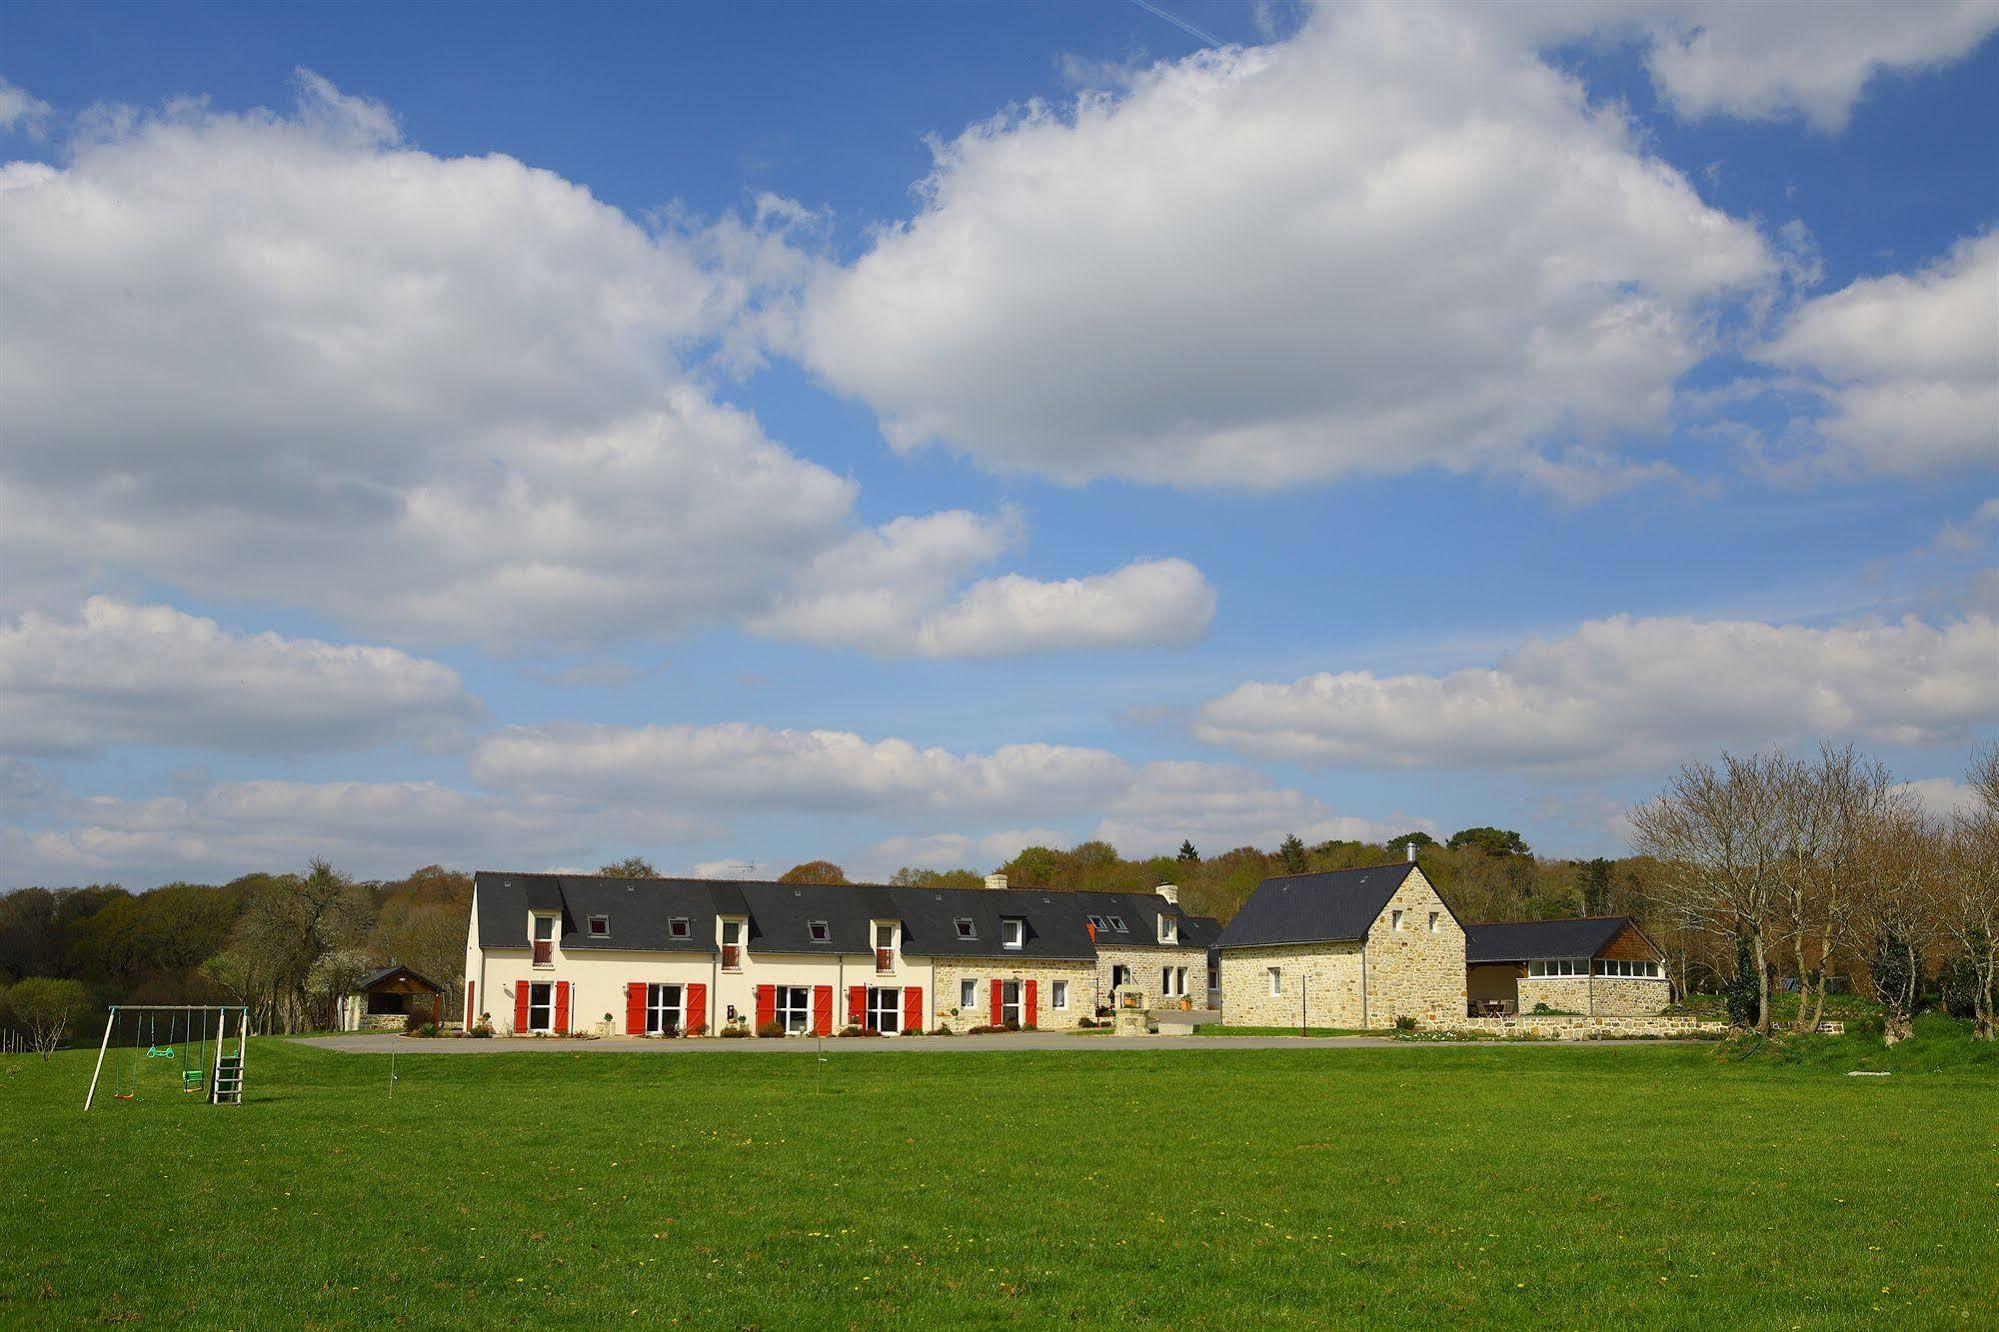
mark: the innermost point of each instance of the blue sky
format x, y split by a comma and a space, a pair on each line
739, 434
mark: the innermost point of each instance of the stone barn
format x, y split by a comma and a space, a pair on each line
1595, 966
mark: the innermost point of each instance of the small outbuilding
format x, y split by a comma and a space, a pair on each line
390, 1000
1597, 966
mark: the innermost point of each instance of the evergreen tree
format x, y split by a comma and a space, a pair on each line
1188, 855
1291, 857
1744, 991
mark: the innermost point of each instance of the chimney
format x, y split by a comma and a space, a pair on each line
996, 881
1169, 892
1410, 847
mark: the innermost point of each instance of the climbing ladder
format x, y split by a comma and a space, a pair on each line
226, 1086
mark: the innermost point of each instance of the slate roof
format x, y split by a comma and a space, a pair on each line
638, 912
375, 978
1337, 906
1540, 940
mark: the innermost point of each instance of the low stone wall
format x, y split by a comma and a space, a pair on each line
1549, 1028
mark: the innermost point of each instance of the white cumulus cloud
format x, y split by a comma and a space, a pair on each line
1397, 240
1625, 693
120, 673
1908, 364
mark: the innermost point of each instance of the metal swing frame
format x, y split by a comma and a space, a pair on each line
215, 1094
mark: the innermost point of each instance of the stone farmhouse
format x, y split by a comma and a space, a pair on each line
1364, 947
563, 953
1597, 966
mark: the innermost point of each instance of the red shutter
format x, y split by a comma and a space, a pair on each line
822, 1010
562, 1007
520, 1007
471, 1009
697, 1008
912, 1008
766, 1004
635, 1009
857, 1005
1031, 1011
999, 1001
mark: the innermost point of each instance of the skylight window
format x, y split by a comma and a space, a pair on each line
1096, 922
600, 926
818, 930
1117, 923
966, 930
677, 927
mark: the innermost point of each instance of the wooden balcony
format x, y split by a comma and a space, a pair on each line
884, 961
544, 952
732, 957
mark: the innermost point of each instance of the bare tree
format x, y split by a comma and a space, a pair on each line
1719, 832
48, 1007
1895, 908
1969, 898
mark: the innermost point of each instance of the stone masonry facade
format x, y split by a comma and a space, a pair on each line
1145, 964
1418, 969
1614, 996
1329, 974
1081, 976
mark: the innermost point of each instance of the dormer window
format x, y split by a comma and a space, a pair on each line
817, 929
1169, 929
885, 944
1012, 931
600, 926
966, 930
1117, 923
679, 928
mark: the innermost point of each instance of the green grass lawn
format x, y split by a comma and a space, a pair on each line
1650, 1186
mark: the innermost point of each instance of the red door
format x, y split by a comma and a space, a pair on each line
1029, 1009
857, 1005
822, 1010
697, 1009
520, 1007
766, 1004
999, 1002
562, 1007
912, 1008
635, 1009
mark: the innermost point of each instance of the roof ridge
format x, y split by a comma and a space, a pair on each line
1349, 869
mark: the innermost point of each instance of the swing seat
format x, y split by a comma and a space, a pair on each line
190, 1079
161, 1052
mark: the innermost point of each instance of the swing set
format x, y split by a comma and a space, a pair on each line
196, 1039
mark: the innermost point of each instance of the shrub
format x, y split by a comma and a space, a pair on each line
940, 1030
1010, 1026
1405, 1023
851, 1030
424, 1029
980, 1031
770, 1029
484, 1029
734, 1032
1744, 997
698, 1029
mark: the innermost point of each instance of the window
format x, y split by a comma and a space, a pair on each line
1120, 975
1096, 922
968, 993
1058, 994
544, 929
1633, 969
600, 926
1433, 922
794, 1009
1277, 980
541, 1006
884, 1009
732, 945
1395, 919
662, 1010
884, 936
1168, 929
966, 930
817, 929
1173, 982
1117, 923
678, 927
1561, 966
1010, 1002
1011, 932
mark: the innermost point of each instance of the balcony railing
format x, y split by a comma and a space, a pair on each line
884, 961
544, 952
732, 957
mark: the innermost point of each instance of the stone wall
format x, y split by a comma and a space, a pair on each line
1580, 1028
1145, 964
1415, 971
1330, 975
1081, 975
1600, 996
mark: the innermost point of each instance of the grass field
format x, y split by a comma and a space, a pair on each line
1650, 1186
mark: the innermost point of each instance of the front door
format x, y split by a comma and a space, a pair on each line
1010, 1002
663, 1010
541, 1006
